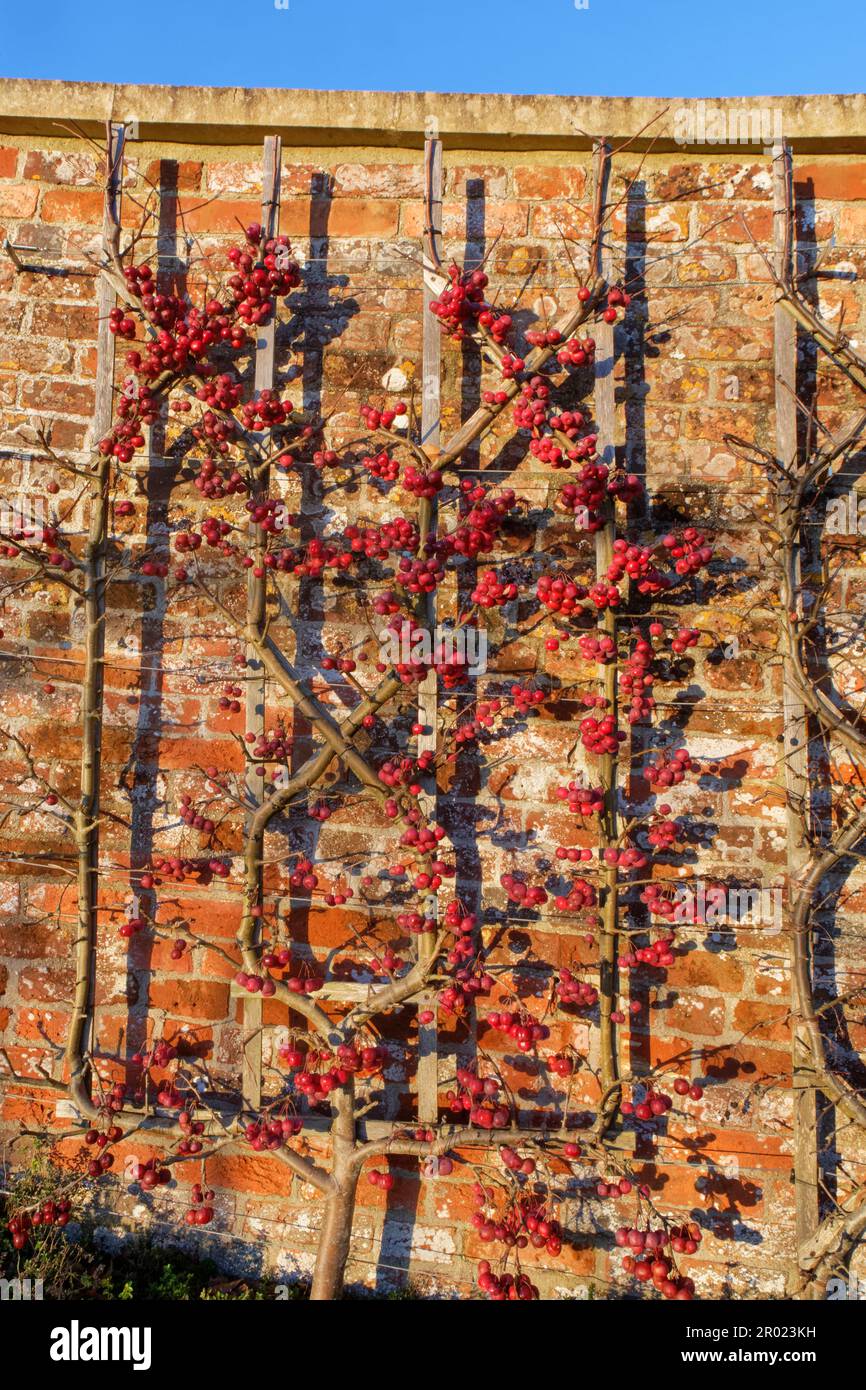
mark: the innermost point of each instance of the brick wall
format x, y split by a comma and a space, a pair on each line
695, 361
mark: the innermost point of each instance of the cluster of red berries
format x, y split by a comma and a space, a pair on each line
543, 337
492, 591
583, 801
580, 896
150, 1175
214, 485
49, 1213
309, 562
573, 854
480, 1098
468, 981
200, 1211
256, 285
658, 954
382, 466
216, 432
422, 482
230, 701
269, 1134
559, 595
503, 1288
525, 699
159, 1055
519, 892
270, 515
383, 1180
570, 990
684, 638
271, 745
120, 324
577, 352
521, 1027
461, 307
266, 411
598, 647
177, 870
600, 736
689, 550
419, 576
663, 833
648, 1262
530, 408
302, 875
479, 526
193, 818
415, 923
636, 681
382, 418
669, 769
255, 984
192, 1130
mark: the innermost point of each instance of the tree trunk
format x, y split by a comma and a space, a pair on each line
336, 1234
335, 1238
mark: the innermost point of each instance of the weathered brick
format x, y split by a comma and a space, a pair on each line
18, 201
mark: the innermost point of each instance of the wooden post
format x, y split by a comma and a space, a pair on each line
428, 1058
83, 1026
604, 411
256, 595
796, 737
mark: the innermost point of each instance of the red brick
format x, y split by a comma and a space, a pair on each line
190, 998
761, 1020
66, 321
8, 162
185, 175
549, 181
59, 397
48, 982
18, 201
249, 1173
702, 968
62, 166
43, 1025
74, 206
834, 180
734, 222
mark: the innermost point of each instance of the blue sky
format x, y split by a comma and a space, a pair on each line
613, 47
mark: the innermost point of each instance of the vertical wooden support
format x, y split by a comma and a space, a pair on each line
82, 1027
796, 739
428, 1059
256, 596
605, 418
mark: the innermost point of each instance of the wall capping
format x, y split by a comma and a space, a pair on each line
244, 115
